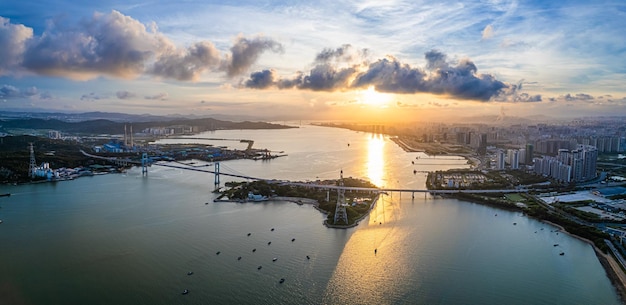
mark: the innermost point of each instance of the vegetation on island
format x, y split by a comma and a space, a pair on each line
358, 203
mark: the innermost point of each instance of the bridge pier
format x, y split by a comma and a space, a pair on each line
217, 174
144, 164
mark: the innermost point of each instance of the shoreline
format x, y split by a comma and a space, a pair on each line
613, 270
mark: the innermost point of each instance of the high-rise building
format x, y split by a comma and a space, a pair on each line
529, 154
500, 160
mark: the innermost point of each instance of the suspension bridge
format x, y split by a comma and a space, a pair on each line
146, 162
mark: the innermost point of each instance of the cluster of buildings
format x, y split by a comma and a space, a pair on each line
569, 165
50, 174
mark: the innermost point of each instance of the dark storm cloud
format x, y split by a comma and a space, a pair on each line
458, 80
10, 92
122, 95
245, 52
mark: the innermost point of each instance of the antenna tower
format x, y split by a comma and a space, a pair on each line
340, 209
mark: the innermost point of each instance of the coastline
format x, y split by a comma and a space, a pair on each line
611, 266
613, 270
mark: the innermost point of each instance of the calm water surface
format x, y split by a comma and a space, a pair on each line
128, 239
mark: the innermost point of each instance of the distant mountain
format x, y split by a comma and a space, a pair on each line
101, 126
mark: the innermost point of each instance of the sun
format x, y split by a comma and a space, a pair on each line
374, 98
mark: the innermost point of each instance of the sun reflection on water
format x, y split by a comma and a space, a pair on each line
376, 160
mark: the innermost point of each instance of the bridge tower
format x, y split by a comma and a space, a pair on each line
340, 209
32, 169
144, 164
217, 174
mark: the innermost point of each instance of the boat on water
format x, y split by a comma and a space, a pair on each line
274, 259
5, 195
307, 257
254, 250
282, 280
190, 273
218, 253
555, 245
293, 239
269, 243
272, 229
562, 253
185, 291
259, 267
239, 258
249, 234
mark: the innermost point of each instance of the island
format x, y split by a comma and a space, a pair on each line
357, 203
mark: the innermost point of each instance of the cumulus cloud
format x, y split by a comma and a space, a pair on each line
389, 75
159, 96
111, 44
117, 45
123, 95
13, 38
187, 64
487, 32
245, 52
11, 92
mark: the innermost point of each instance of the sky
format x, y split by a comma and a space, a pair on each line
333, 60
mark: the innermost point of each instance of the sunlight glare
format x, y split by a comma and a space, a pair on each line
374, 98
376, 160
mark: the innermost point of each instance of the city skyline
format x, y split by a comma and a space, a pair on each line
329, 60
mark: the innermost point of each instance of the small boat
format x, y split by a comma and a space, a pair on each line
185, 291
269, 243
190, 273
293, 239
0, 221
254, 250
5, 195
496, 214
274, 259
414, 171
307, 257
272, 229
217, 253
249, 234
375, 251
259, 267
562, 253
206, 203
555, 245
282, 280
515, 223
239, 258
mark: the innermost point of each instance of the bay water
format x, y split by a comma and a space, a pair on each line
133, 239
